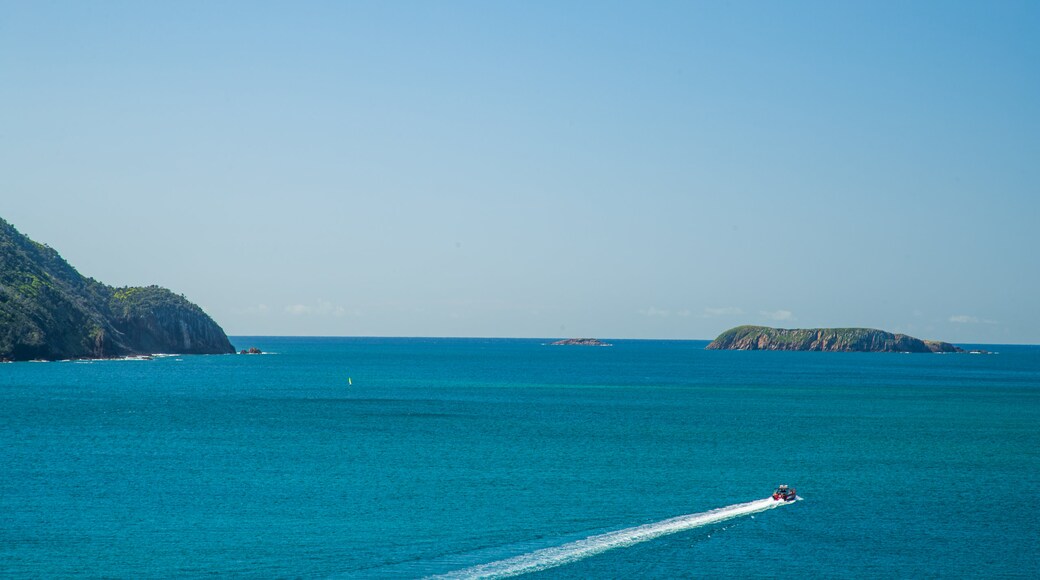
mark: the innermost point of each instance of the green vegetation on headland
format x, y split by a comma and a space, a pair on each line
824, 339
49, 311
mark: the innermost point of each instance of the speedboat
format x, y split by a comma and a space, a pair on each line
785, 493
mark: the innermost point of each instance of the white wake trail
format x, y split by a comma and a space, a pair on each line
581, 549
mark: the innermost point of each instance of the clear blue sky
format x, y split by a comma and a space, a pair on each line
537, 168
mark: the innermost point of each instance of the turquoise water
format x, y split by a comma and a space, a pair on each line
446, 454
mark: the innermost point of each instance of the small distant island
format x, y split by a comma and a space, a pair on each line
825, 339
581, 342
49, 311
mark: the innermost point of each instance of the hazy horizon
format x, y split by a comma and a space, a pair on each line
532, 170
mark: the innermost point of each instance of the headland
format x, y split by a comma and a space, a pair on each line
49, 311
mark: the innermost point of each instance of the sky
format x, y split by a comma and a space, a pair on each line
537, 169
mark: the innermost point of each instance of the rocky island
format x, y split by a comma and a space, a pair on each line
49, 311
824, 339
581, 342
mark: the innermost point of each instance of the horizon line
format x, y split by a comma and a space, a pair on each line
423, 337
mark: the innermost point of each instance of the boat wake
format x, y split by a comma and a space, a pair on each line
581, 549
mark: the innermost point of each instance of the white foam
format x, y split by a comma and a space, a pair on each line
581, 549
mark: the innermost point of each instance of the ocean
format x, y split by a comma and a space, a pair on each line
402, 458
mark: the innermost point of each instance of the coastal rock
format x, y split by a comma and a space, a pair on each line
49, 311
580, 342
251, 350
824, 339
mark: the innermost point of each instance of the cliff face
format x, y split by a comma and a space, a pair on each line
154, 319
49, 311
824, 339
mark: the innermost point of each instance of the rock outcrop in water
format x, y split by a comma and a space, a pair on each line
581, 342
824, 339
49, 311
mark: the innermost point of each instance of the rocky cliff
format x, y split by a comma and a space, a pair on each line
824, 339
49, 311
